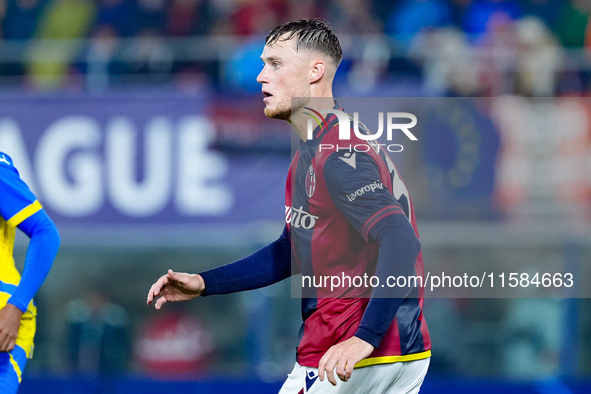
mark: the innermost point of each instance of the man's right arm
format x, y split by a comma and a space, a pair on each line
264, 267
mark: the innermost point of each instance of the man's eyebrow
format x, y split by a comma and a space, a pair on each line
270, 58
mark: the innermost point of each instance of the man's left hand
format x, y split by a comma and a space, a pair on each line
10, 322
343, 356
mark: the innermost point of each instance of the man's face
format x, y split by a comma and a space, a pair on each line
285, 75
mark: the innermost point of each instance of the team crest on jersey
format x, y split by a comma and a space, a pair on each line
310, 181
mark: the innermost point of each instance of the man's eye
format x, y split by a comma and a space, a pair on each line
275, 65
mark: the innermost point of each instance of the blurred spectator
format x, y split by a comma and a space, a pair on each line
458, 11
21, 19
538, 59
221, 12
418, 15
494, 61
353, 17
187, 17
300, 9
383, 9
449, 63
18, 20
98, 334
571, 25
254, 16
148, 54
497, 50
150, 15
63, 20
367, 71
480, 14
119, 14
543, 9
371, 52
99, 58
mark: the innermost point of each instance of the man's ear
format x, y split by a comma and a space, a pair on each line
317, 71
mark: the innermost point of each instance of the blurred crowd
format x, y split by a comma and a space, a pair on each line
453, 47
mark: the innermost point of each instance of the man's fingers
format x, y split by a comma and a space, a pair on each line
322, 365
349, 370
160, 301
163, 281
180, 277
4, 344
175, 276
330, 373
328, 368
340, 370
156, 288
151, 294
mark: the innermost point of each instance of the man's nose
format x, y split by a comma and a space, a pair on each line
262, 77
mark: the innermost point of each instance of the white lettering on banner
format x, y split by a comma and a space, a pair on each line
68, 166
151, 195
76, 179
300, 218
199, 190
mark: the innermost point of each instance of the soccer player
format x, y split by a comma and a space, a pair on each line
19, 208
347, 213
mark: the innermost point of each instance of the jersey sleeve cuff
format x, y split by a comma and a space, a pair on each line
368, 336
18, 304
209, 283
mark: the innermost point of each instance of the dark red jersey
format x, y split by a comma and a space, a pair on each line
333, 200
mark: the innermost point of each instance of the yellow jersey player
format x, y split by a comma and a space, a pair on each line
20, 208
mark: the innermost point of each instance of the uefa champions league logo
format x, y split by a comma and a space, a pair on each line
344, 122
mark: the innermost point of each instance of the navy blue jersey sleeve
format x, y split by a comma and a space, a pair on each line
264, 267
354, 184
358, 192
398, 252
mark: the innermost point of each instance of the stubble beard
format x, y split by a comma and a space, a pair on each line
282, 112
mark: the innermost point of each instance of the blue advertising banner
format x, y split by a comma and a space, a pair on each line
112, 161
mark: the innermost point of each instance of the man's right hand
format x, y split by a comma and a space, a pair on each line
10, 320
176, 286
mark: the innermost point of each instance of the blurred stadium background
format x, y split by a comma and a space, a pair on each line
139, 125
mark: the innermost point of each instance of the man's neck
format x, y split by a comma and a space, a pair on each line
299, 120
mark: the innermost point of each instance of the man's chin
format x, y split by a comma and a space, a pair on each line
277, 114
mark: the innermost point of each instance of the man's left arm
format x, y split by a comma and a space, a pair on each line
379, 218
